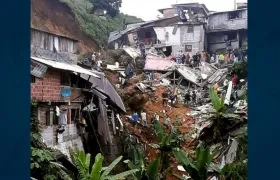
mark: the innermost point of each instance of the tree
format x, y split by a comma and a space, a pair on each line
111, 6
96, 171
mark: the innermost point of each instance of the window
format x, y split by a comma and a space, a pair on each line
234, 15
75, 116
33, 79
190, 29
65, 78
231, 36
51, 117
188, 48
148, 35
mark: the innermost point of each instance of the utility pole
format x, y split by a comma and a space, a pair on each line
234, 6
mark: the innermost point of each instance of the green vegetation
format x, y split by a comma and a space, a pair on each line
97, 172
111, 6
95, 26
43, 164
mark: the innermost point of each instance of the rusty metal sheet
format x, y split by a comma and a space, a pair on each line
103, 85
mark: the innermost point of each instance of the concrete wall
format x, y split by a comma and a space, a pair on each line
195, 39
182, 37
49, 88
167, 13
172, 39
222, 45
220, 21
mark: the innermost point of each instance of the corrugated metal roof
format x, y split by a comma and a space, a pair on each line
103, 85
38, 69
64, 66
220, 12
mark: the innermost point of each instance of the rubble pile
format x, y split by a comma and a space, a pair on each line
200, 121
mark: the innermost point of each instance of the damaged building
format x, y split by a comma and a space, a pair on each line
73, 101
199, 30
168, 34
227, 29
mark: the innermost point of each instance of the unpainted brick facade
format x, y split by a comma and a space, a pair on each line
49, 88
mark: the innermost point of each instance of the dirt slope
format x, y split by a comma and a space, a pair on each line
56, 17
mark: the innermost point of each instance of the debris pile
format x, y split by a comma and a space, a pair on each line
217, 118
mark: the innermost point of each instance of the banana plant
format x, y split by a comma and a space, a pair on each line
218, 103
97, 172
165, 142
220, 121
149, 172
198, 168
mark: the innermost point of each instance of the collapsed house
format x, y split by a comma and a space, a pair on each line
168, 34
227, 29
190, 28
73, 102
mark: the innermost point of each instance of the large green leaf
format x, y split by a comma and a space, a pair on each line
159, 131
122, 175
203, 159
153, 168
110, 167
97, 167
181, 157
79, 159
215, 100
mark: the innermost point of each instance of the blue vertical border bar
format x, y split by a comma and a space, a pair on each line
264, 89
15, 87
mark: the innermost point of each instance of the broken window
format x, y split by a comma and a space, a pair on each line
190, 29
75, 116
188, 48
231, 36
33, 79
234, 15
65, 78
51, 117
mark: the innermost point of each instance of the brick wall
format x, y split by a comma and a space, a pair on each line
49, 88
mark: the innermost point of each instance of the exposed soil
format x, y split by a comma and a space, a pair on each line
56, 17
151, 106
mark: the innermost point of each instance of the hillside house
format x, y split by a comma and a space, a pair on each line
224, 27
188, 37
168, 34
61, 87
53, 46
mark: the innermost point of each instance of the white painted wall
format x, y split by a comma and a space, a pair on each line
173, 39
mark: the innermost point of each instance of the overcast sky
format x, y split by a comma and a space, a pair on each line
148, 9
